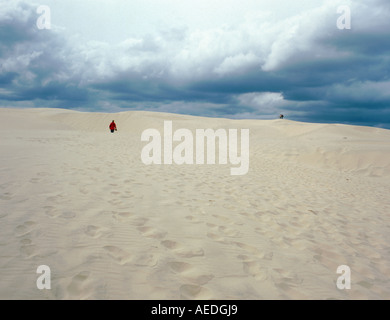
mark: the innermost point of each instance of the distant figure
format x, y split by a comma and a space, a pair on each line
281, 116
113, 126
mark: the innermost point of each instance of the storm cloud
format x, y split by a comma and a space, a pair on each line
254, 66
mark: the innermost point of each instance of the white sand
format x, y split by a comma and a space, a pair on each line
78, 199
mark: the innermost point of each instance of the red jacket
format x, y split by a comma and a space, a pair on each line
112, 126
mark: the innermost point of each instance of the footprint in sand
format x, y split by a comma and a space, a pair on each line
190, 253
51, 211
253, 268
215, 237
151, 232
94, 231
250, 249
127, 195
119, 255
84, 190
27, 248
285, 279
122, 215
6, 196
299, 244
263, 216
224, 231
57, 198
146, 260
245, 214
115, 202
179, 267
34, 180
171, 244
194, 292
193, 219
200, 279
78, 282
229, 232
24, 228
223, 218
139, 222
68, 215
182, 251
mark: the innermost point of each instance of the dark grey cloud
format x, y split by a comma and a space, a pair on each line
313, 73
7, 77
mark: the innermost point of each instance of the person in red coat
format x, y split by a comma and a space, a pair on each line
113, 126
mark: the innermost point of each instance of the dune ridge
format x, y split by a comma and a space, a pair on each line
79, 199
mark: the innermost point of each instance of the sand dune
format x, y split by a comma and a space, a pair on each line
79, 199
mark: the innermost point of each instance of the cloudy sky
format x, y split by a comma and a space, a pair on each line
218, 58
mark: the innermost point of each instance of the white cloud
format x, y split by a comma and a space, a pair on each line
14, 9
216, 36
18, 62
240, 62
296, 37
260, 40
270, 103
